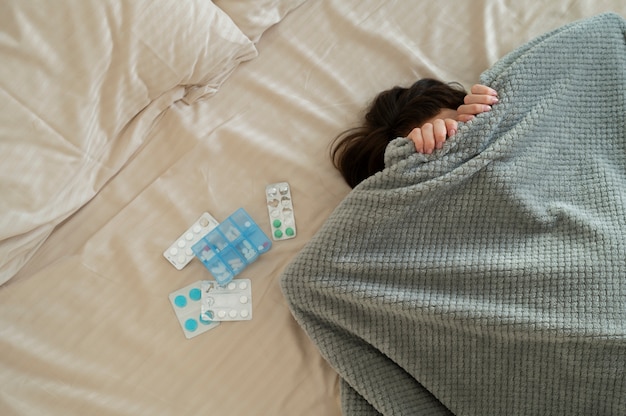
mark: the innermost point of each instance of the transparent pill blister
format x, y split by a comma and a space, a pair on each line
280, 210
187, 304
231, 246
232, 302
179, 254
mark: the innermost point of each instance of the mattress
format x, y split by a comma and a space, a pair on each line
122, 123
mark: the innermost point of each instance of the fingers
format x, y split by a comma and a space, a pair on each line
480, 89
439, 135
464, 118
451, 126
416, 137
467, 112
433, 135
479, 100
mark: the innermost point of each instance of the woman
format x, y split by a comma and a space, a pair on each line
426, 113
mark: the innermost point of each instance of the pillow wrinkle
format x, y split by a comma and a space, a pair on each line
254, 17
83, 83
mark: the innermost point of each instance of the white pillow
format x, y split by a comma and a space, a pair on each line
80, 84
255, 16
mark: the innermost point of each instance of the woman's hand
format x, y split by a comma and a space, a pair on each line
479, 100
432, 135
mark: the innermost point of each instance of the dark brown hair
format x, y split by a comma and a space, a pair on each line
359, 152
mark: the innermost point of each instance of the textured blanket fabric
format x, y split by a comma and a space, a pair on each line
490, 277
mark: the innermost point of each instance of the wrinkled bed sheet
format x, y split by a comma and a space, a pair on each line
86, 326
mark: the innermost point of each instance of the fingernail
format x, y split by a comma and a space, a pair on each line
487, 108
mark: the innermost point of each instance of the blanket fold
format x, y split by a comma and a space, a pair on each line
490, 277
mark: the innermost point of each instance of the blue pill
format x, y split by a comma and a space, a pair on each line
180, 301
191, 325
195, 294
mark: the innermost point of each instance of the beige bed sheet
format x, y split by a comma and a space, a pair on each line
86, 326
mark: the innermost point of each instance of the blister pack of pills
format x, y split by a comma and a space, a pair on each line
231, 246
280, 210
187, 304
179, 254
232, 302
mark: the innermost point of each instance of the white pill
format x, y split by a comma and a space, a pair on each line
244, 313
243, 299
232, 313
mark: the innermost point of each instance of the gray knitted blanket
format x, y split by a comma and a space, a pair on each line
490, 277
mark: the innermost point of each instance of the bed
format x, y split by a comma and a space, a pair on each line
122, 122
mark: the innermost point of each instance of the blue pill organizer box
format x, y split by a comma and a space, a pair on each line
231, 246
